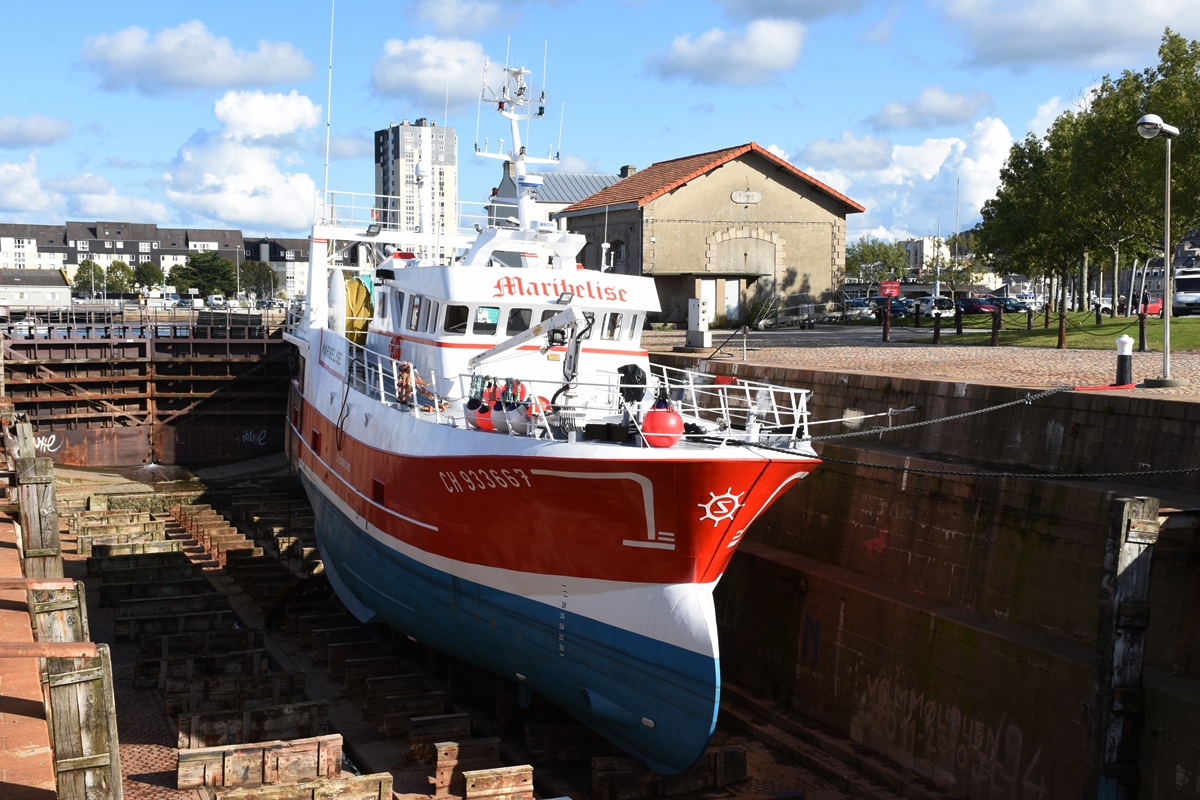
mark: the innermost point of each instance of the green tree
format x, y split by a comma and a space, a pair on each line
871, 260
259, 278
182, 277
89, 278
118, 278
210, 273
148, 274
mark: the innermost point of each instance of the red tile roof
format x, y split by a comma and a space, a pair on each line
665, 176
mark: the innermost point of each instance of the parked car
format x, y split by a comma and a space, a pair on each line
858, 308
1009, 305
897, 307
931, 306
1153, 308
975, 305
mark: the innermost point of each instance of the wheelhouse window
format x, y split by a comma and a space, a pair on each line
383, 308
429, 316
399, 301
631, 331
487, 319
612, 326
518, 321
414, 313
457, 318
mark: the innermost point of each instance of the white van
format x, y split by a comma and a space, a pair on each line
216, 301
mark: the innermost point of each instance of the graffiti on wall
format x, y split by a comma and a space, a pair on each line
969, 754
49, 443
258, 437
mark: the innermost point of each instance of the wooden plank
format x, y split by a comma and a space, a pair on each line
39, 537
451, 759
138, 548
59, 615
83, 724
48, 649
379, 687
229, 692
183, 604
424, 732
500, 783
111, 594
160, 573
339, 653
262, 763
358, 787
289, 721
175, 672
100, 566
201, 643
18, 584
78, 521
357, 670
130, 629
84, 543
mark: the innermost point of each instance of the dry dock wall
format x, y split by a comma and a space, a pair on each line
950, 622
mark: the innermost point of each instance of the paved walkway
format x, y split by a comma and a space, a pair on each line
911, 355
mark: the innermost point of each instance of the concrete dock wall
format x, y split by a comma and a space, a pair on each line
950, 622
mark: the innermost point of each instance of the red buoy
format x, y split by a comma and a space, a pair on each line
662, 427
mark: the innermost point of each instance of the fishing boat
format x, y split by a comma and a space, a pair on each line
498, 471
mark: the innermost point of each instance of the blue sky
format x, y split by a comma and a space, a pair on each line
213, 114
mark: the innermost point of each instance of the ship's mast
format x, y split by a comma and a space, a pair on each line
516, 102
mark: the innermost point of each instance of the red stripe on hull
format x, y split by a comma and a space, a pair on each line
578, 517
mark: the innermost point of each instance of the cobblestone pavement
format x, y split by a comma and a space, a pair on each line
910, 355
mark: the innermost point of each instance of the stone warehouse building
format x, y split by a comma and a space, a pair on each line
729, 226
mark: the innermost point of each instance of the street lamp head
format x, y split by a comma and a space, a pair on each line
1151, 125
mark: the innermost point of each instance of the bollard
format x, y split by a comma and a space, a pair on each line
937, 329
1124, 361
1142, 348
917, 316
1029, 319
1098, 322
997, 319
957, 320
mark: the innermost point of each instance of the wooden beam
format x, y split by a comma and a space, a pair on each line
48, 650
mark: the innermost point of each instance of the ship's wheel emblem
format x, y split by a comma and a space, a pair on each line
721, 506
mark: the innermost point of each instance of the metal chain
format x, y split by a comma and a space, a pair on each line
1027, 400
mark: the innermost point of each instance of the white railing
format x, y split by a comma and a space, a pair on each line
357, 210
714, 413
738, 408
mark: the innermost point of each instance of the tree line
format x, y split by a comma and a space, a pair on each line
206, 272
1083, 201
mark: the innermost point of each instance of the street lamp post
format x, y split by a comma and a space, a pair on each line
1149, 126
237, 272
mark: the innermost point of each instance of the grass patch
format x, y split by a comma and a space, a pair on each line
1082, 332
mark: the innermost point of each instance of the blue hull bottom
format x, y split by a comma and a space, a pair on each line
656, 701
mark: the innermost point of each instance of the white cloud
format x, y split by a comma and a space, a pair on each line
1047, 112
110, 205
1095, 33
235, 176
777, 150
84, 183
909, 189
188, 57
934, 106
348, 147
803, 10
767, 47
255, 115
20, 189
458, 16
424, 70
987, 149
32, 130
850, 152
573, 163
